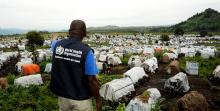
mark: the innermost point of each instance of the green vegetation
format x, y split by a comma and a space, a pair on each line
203, 33
209, 20
103, 78
164, 37
156, 106
206, 66
37, 98
40, 98
35, 38
178, 32
121, 107
43, 65
125, 59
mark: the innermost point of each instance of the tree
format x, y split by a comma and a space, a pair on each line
178, 31
34, 39
203, 33
164, 37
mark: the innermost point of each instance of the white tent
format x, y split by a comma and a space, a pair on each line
192, 68
114, 60
21, 47
178, 83
135, 74
102, 58
26, 81
137, 104
207, 52
148, 51
48, 67
216, 72
134, 61
150, 65
116, 89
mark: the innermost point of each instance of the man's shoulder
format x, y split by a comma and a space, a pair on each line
86, 46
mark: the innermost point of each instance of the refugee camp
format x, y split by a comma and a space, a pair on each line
110, 55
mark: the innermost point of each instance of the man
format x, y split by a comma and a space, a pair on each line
73, 75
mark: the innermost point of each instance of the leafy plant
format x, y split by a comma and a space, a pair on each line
156, 106
121, 107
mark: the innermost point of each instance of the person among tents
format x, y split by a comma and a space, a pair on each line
106, 68
74, 70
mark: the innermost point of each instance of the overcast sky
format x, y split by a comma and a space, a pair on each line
57, 14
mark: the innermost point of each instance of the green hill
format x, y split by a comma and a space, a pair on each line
208, 20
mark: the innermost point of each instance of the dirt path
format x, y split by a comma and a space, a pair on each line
157, 81
197, 84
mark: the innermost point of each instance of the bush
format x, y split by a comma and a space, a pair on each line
35, 38
165, 37
125, 59
178, 31
121, 107
11, 78
37, 98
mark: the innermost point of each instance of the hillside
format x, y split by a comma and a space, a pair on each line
208, 20
135, 29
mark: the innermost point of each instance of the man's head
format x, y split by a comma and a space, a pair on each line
78, 28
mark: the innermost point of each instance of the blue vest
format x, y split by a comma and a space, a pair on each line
68, 78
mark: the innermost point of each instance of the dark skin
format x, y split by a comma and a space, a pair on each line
94, 87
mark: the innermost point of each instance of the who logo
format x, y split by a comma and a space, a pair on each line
59, 50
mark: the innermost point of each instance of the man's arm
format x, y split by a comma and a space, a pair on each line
94, 88
91, 71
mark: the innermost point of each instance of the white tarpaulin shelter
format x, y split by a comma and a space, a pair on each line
216, 72
114, 60
21, 47
134, 61
189, 52
137, 104
24, 61
26, 81
207, 52
116, 89
148, 51
48, 67
178, 83
192, 68
150, 64
135, 74
102, 58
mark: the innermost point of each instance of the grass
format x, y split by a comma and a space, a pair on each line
206, 66
156, 106
40, 98
104, 78
37, 98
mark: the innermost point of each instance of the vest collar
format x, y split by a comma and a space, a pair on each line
74, 37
